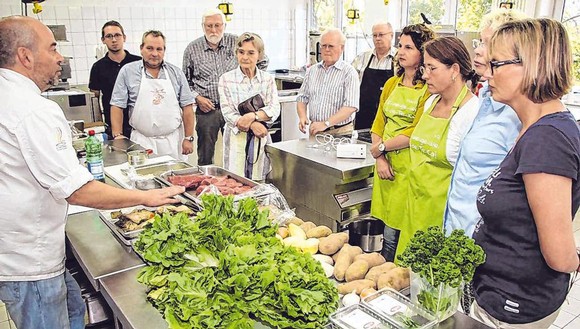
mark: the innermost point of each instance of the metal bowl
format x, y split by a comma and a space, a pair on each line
147, 184
136, 158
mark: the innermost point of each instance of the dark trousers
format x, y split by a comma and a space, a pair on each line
207, 127
390, 242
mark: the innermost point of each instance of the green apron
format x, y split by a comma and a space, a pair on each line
429, 173
388, 201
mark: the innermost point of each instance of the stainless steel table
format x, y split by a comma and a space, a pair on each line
96, 249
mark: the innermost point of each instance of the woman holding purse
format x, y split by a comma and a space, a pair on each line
249, 103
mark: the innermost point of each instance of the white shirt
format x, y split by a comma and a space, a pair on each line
38, 171
458, 127
362, 60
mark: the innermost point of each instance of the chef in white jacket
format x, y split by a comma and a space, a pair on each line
156, 96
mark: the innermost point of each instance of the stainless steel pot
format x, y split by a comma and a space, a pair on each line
366, 233
138, 157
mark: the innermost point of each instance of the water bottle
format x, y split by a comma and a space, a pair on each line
94, 150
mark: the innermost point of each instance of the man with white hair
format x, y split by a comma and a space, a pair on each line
204, 60
330, 90
374, 67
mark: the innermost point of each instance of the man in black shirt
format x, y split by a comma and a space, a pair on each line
104, 72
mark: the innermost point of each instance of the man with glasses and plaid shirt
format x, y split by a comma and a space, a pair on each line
204, 60
104, 72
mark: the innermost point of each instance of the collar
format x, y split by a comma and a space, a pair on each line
127, 54
142, 66
486, 95
220, 44
240, 76
418, 85
340, 64
21, 79
390, 54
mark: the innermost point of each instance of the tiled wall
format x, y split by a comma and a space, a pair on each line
179, 20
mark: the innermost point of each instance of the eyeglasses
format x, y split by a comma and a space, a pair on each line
380, 35
426, 69
113, 36
477, 43
211, 26
327, 46
495, 64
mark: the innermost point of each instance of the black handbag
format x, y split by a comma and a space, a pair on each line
252, 104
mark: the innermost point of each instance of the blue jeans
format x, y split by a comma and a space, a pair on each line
390, 242
54, 303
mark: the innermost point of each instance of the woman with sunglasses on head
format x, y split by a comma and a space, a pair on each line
400, 106
246, 129
528, 203
434, 144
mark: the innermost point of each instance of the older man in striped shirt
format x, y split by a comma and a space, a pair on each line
330, 90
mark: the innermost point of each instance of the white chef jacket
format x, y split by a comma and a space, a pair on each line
38, 171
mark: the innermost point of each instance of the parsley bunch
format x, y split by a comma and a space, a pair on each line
449, 260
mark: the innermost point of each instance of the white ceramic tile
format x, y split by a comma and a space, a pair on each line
158, 13
554, 327
65, 49
575, 291
49, 21
76, 26
61, 13
563, 319
15, 10
136, 13
169, 12
112, 13
3, 314
75, 13
148, 12
572, 305
170, 25
180, 12
90, 25
101, 14
5, 325
137, 26
125, 13
76, 38
82, 77
79, 51
575, 324
48, 13
88, 12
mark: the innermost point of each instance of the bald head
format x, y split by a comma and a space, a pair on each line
15, 32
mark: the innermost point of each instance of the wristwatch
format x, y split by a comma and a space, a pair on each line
188, 138
327, 124
382, 148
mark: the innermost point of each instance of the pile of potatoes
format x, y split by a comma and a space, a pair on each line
364, 273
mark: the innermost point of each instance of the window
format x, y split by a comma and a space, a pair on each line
469, 14
323, 14
571, 20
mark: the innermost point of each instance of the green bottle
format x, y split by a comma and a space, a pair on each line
94, 150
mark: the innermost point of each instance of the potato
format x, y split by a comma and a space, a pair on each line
356, 270
283, 232
295, 220
358, 286
373, 259
332, 243
319, 232
307, 226
397, 278
367, 292
344, 259
375, 272
296, 231
324, 259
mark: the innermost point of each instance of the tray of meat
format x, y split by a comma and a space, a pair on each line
205, 178
127, 223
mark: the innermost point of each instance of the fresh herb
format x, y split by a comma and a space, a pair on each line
226, 269
438, 259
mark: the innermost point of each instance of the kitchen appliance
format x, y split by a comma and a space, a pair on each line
367, 233
76, 104
314, 38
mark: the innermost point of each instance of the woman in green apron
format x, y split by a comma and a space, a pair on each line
435, 141
400, 106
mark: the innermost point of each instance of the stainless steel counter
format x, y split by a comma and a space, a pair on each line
312, 179
96, 249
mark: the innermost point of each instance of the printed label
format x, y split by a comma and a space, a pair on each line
388, 305
360, 320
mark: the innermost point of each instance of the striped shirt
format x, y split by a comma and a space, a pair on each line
362, 60
203, 65
327, 90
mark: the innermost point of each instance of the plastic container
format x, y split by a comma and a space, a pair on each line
358, 317
399, 310
94, 150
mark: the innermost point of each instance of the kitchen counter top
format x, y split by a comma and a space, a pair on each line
96, 249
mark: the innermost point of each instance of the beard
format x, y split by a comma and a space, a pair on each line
214, 39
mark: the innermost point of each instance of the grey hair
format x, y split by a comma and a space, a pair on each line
499, 16
155, 34
383, 23
15, 32
334, 30
212, 12
255, 39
